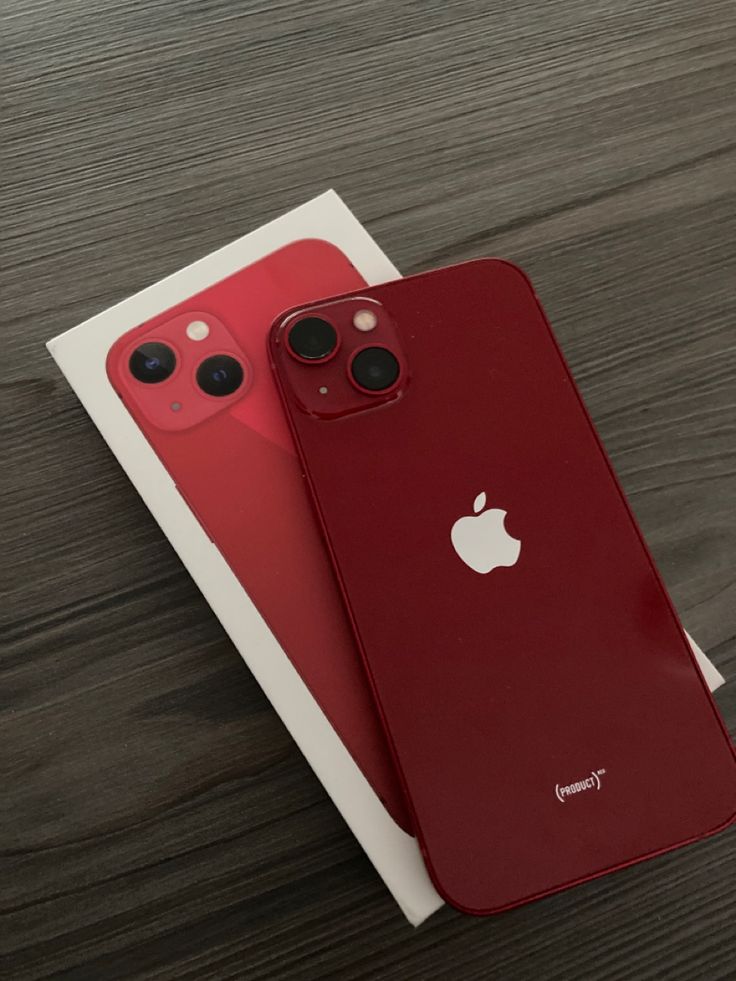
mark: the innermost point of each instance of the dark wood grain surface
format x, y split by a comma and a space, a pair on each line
157, 821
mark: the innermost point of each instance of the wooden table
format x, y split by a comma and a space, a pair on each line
157, 820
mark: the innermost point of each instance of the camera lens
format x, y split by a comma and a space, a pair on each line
375, 368
152, 362
220, 375
312, 339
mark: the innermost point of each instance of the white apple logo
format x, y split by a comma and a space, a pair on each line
481, 540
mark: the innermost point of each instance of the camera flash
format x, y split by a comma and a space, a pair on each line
322, 390
197, 330
365, 320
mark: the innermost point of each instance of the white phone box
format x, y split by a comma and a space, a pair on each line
81, 355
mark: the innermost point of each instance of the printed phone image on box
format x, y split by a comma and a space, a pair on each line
197, 382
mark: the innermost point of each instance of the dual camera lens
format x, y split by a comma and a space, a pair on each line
373, 369
154, 362
313, 339
220, 375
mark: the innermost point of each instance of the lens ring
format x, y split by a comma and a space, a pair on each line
312, 339
152, 362
220, 375
375, 369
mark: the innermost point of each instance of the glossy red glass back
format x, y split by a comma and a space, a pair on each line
547, 716
234, 462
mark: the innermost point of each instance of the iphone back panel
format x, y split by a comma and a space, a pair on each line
232, 458
544, 708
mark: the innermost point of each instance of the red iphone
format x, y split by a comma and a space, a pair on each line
545, 711
197, 382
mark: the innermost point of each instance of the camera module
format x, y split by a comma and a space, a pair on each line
312, 339
152, 362
375, 369
220, 375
